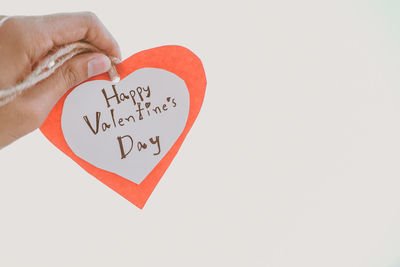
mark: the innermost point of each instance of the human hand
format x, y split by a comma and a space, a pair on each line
26, 40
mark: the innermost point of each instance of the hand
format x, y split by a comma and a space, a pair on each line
23, 42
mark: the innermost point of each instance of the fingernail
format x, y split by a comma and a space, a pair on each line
98, 65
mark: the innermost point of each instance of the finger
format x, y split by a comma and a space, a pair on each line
71, 27
76, 70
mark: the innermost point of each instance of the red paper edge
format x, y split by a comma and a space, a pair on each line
176, 59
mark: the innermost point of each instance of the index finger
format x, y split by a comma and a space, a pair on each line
67, 28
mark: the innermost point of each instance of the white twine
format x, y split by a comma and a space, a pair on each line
50, 64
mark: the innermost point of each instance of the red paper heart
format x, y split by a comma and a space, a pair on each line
175, 59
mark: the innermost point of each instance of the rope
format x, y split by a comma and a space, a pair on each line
50, 64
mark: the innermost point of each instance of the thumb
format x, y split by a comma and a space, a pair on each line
80, 68
71, 73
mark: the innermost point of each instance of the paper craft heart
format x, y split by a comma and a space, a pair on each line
127, 134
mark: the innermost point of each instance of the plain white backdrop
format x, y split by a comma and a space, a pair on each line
293, 161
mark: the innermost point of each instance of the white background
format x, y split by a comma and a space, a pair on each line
293, 161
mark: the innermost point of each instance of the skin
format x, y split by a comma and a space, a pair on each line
24, 40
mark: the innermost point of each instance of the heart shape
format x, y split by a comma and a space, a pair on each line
127, 134
126, 128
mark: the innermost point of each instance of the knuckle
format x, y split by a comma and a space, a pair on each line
92, 17
19, 30
70, 75
12, 24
